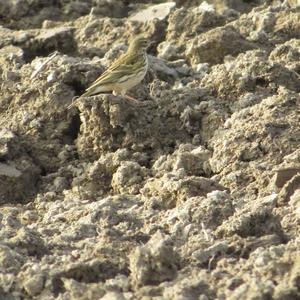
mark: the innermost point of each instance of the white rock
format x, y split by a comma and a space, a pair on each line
159, 11
204, 6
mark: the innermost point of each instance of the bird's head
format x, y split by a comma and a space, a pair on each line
139, 43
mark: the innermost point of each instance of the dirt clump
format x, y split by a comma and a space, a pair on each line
193, 194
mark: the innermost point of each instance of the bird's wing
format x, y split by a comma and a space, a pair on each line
121, 66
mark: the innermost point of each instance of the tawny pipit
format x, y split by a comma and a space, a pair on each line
125, 73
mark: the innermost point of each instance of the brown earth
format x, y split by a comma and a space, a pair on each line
194, 194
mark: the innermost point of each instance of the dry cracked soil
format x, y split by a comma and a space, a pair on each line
193, 194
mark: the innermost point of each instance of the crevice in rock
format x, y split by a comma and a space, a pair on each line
43, 171
73, 130
57, 286
261, 82
77, 86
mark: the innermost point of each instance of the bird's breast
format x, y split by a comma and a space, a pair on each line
133, 79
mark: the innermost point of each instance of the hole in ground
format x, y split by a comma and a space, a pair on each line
71, 133
261, 82
77, 86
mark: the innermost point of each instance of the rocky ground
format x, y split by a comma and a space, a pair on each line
194, 194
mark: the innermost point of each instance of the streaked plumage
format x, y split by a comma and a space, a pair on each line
125, 73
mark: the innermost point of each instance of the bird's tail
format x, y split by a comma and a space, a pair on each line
91, 91
75, 99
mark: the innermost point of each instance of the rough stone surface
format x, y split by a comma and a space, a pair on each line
193, 194
214, 45
153, 263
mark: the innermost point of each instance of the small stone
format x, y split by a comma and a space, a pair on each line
283, 175
34, 284
9, 144
289, 189
154, 262
204, 255
204, 6
161, 68
21, 37
159, 11
128, 177
167, 50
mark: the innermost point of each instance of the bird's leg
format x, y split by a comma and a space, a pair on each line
123, 94
132, 99
74, 100
135, 101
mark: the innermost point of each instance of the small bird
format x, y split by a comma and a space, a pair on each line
125, 73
